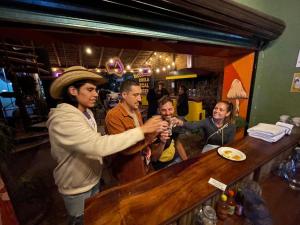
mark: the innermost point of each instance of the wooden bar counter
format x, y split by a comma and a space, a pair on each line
164, 196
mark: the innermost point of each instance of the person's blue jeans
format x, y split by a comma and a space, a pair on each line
75, 205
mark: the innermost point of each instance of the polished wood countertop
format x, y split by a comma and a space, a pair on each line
164, 196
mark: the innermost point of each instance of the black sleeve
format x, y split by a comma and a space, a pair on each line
231, 131
195, 126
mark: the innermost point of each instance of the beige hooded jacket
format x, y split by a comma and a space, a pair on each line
78, 148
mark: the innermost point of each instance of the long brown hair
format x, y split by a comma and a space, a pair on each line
230, 108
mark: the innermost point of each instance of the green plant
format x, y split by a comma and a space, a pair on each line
240, 122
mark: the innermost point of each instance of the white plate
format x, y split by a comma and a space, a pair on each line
231, 154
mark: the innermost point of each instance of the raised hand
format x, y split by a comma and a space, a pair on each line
154, 125
164, 136
176, 122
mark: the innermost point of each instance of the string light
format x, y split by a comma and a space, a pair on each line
147, 65
88, 50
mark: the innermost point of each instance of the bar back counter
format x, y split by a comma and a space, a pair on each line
174, 193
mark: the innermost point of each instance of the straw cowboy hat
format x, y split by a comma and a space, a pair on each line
69, 76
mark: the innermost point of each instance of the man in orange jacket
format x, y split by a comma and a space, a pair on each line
133, 162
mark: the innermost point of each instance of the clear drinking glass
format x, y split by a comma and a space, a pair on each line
169, 120
206, 216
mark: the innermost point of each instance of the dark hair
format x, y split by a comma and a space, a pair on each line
157, 83
70, 99
164, 99
230, 108
183, 88
127, 84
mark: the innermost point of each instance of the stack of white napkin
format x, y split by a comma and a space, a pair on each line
270, 132
287, 127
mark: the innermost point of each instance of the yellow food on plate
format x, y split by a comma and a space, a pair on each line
231, 154
236, 157
227, 152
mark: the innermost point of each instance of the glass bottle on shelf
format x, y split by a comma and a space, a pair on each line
231, 202
222, 207
239, 199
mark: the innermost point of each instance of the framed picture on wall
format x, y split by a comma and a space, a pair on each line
295, 87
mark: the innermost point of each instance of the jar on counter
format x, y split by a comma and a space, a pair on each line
206, 216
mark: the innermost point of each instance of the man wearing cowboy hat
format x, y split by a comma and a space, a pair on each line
75, 143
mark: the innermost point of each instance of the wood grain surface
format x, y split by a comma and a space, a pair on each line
163, 196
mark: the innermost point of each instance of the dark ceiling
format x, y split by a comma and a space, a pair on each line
68, 48
59, 31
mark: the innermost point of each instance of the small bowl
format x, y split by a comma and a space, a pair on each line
284, 118
296, 121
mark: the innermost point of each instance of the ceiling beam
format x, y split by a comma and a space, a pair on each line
46, 36
101, 56
151, 54
33, 47
24, 61
17, 53
17, 46
64, 50
134, 59
228, 22
56, 54
120, 53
